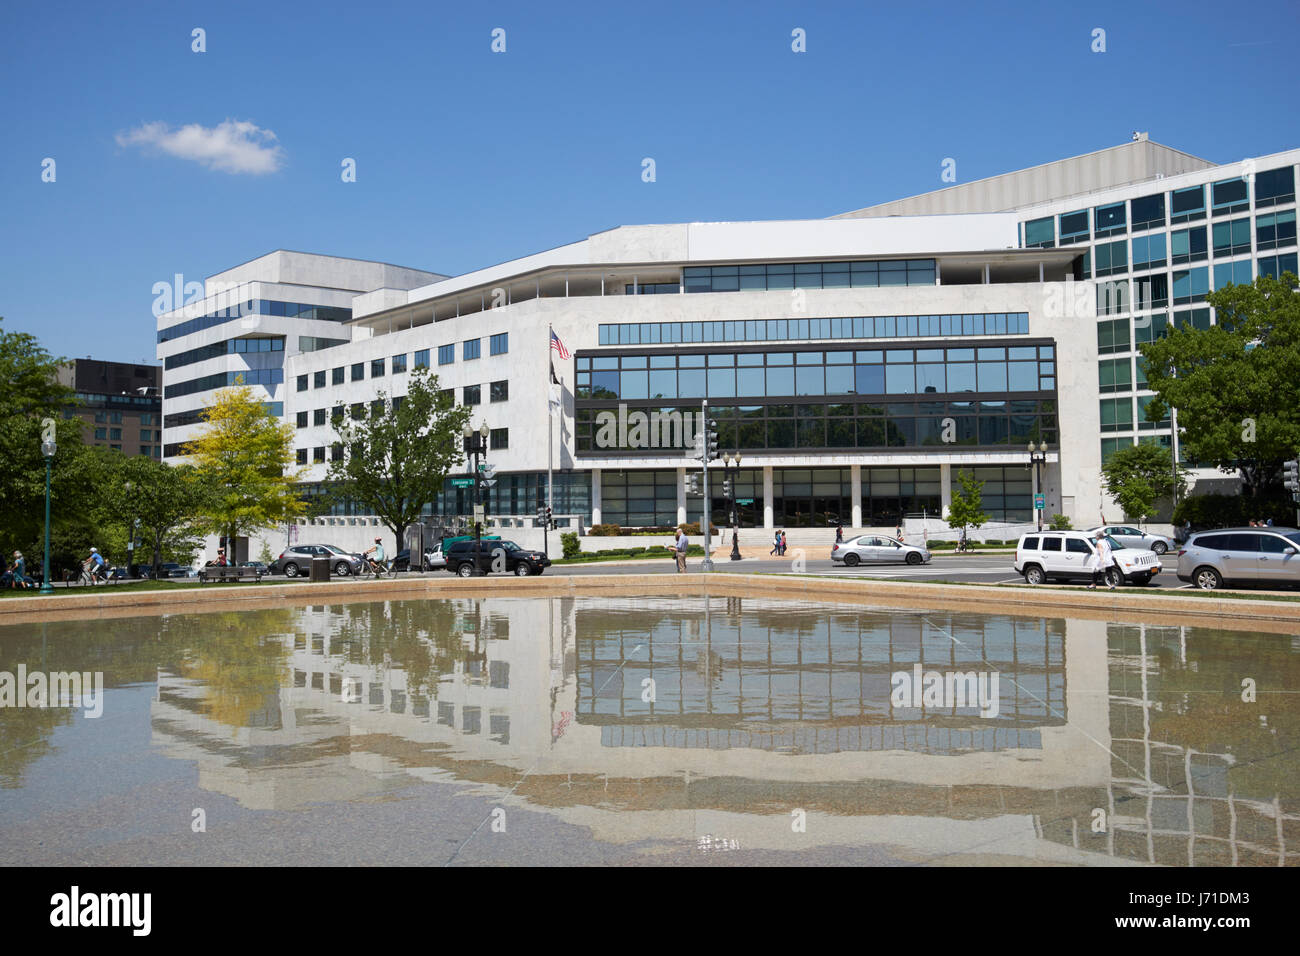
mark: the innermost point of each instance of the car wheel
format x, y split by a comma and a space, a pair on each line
1141, 580
291, 570
466, 570
1207, 579
522, 570
342, 569
851, 560
1159, 547
1034, 575
913, 558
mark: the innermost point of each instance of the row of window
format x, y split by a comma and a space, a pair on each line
218, 349
301, 310
1114, 296
471, 395
470, 349
809, 275
498, 440
252, 376
1231, 238
991, 369
852, 327
1273, 187
1117, 414
195, 416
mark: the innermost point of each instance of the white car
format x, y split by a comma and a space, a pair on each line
877, 549
1132, 537
1043, 556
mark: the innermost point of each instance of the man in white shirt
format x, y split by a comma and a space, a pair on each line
1101, 562
682, 544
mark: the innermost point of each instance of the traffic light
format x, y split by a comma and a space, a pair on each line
550, 522
699, 446
713, 440
1291, 477
692, 484
541, 515
726, 487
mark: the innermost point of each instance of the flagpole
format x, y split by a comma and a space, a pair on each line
550, 442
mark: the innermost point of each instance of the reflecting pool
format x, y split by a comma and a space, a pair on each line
624, 730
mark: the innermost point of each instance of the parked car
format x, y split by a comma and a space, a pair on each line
1269, 556
432, 559
1043, 556
877, 549
261, 566
1132, 537
297, 560
170, 569
460, 558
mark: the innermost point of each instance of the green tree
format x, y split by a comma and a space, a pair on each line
244, 461
966, 509
1236, 385
166, 501
1137, 476
397, 457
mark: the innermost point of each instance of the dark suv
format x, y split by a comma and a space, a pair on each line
494, 556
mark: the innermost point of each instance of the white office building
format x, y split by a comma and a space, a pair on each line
854, 364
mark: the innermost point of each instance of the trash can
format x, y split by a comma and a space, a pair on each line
320, 569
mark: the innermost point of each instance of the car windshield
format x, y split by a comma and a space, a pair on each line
1114, 545
1293, 537
507, 545
333, 550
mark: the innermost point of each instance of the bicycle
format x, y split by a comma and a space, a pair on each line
378, 569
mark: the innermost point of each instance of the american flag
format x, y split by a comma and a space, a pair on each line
558, 346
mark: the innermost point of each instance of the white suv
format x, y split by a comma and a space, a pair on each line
1065, 555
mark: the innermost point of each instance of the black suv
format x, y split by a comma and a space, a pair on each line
494, 556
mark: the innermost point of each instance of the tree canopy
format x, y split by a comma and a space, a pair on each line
1138, 476
967, 507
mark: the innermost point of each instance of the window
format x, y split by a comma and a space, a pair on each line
1111, 220
377, 408
1144, 419
115, 418
358, 371
1116, 414
318, 379
1149, 251
318, 417
337, 413
144, 450
1191, 285
446, 354
1230, 196
1276, 266
337, 376
446, 397
1051, 544
422, 358
500, 343
1188, 245
1237, 273
1074, 227
115, 434
498, 438
101, 434
1187, 205
1114, 375
1231, 238
1274, 187
1275, 230
1111, 257
499, 391
336, 451
1112, 336
1041, 233
472, 394
470, 349
376, 367
1112, 297
1196, 318
302, 383
318, 455
302, 456
399, 364
358, 411
1148, 212
302, 419
1152, 291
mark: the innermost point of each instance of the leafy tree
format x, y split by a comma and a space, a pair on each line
1236, 385
966, 510
166, 502
1060, 523
29, 377
397, 457
1139, 475
244, 461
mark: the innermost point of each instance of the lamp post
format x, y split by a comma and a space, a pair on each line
127, 486
48, 448
475, 444
1038, 458
731, 468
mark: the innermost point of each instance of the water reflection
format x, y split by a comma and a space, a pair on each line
653, 718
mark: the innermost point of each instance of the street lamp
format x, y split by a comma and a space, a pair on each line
48, 448
731, 469
127, 486
475, 445
1038, 458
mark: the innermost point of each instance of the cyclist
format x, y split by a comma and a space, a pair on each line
377, 563
97, 567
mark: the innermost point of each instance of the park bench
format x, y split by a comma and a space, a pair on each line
229, 574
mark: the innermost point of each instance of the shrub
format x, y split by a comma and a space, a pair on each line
694, 528
1061, 523
569, 541
606, 530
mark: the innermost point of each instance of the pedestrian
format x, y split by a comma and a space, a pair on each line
16, 576
1101, 562
682, 544
776, 544
898, 532
839, 533
1268, 523
784, 544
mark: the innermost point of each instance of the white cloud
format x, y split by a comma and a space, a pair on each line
235, 146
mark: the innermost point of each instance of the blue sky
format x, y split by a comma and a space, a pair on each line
467, 157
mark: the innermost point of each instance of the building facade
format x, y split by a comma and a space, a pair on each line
854, 364
119, 404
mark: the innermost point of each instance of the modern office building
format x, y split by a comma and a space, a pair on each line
855, 364
119, 404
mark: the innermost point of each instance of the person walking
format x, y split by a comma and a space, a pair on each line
898, 532
1101, 562
776, 544
839, 534
682, 544
784, 544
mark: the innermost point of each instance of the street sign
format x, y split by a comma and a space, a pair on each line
1040, 502
462, 482
486, 469
478, 513
488, 482
744, 501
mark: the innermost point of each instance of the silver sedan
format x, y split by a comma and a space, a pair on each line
877, 549
1136, 539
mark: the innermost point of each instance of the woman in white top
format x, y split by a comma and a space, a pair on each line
1101, 562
